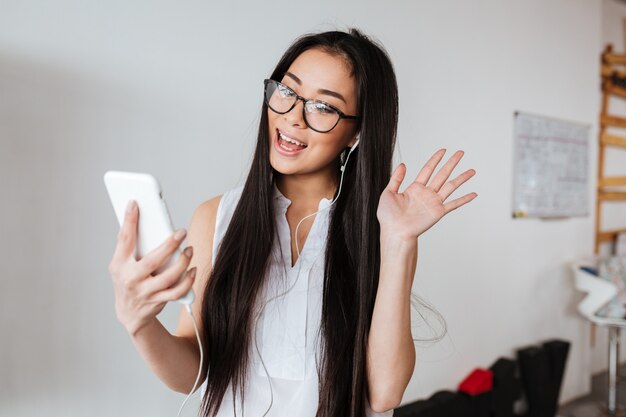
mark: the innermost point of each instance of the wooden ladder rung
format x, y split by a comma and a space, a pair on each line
613, 140
605, 119
608, 71
614, 59
611, 181
609, 235
615, 90
611, 195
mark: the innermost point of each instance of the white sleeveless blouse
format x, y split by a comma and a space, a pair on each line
282, 378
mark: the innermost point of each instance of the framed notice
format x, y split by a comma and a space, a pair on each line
550, 167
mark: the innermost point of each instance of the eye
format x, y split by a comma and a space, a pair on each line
285, 91
321, 108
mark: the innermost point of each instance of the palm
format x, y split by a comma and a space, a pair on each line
422, 204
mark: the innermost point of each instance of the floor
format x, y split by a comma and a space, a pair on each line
594, 404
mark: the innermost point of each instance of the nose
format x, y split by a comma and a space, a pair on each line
295, 116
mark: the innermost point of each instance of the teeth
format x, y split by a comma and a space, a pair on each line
288, 139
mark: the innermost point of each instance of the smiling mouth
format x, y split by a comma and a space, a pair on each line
289, 144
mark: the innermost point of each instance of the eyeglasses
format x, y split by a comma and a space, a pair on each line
318, 115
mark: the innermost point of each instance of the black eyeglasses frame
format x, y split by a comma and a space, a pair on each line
341, 114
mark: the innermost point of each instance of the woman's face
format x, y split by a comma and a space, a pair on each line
317, 75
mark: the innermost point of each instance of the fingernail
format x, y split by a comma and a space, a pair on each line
188, 251
180, 234
192, 273
130, 206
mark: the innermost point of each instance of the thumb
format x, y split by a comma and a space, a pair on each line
396, 178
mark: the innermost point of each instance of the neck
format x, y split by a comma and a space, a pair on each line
307, 189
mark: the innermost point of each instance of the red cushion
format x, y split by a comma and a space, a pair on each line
479, 381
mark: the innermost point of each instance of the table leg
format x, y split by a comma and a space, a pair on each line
614, 333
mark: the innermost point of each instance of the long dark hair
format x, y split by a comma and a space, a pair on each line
352, 258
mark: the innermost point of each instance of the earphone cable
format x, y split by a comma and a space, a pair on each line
296, 280
343, 168
195, 327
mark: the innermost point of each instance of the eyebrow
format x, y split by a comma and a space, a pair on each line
321, 90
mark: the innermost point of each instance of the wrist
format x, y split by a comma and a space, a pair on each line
395, 242
137, 329
396, 238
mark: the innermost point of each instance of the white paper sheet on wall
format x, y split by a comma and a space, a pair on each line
550, 167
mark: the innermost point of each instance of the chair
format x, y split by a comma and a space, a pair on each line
600, 293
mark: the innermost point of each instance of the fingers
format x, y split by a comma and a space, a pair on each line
456, 203
396, 178
445, 171
170, 276
177, 291
449, 187
156, 257
427, 170
127, 236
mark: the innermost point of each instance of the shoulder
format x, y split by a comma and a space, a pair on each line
203, 218
206, 219
207, 208
205, 215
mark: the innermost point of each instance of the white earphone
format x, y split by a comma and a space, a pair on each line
355, 143
343, 166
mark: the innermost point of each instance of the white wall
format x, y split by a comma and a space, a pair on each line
91, 86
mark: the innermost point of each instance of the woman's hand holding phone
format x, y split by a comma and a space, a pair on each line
140, 295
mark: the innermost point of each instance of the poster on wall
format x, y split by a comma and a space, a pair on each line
550, 167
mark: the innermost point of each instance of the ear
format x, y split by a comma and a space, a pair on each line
356, 138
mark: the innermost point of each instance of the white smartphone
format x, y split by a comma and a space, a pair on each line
155, 223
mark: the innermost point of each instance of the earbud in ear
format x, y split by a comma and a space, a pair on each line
358, 139
344, 161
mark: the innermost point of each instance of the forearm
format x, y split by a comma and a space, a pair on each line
391, 352
174, 360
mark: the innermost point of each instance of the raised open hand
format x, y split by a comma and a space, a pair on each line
410, 213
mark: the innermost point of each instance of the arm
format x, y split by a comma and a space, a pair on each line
403, 217
201, 232
173, 359
391, 353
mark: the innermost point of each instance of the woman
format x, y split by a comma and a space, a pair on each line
300, 314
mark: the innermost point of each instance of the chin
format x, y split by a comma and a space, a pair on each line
281, 167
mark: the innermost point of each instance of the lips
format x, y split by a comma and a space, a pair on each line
288, 145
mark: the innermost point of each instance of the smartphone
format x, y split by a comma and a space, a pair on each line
155, 223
